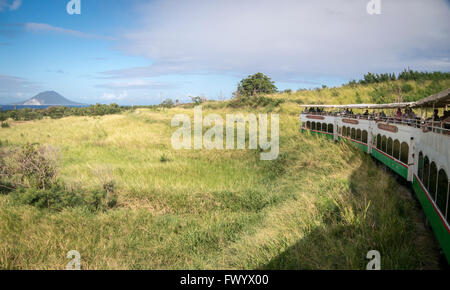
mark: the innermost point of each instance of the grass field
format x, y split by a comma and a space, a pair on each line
385, 92
320, 205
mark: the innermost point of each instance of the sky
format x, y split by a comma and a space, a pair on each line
143, 52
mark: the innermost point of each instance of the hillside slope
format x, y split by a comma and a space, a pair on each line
385, 92
320, 205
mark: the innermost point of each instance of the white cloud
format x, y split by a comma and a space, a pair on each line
15, 5
289, 38
135, 84
16, 84
114, 96
43, 27
13, 89
11, 5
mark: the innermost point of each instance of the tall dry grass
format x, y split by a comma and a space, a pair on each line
320, 206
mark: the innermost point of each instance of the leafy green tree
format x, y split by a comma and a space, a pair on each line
255, 85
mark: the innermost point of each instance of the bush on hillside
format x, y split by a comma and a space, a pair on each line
58, 197
30, 166
168, 103
29, 174
255, 102
198, 100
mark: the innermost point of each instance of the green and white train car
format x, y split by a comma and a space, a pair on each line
417, 150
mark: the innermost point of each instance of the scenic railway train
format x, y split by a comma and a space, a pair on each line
416, 147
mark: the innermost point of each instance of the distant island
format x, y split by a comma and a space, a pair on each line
48, 98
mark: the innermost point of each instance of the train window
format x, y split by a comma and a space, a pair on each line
396, 153
308, 125
383, 144
420, 171
379, 141
364, 137
404, 153
330, 128
426, 172
353, 134
348, 132
358, 134
433, 180
324, 127
313, 125
390, 145
442, 191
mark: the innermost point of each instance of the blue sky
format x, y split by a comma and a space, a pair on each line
142, 52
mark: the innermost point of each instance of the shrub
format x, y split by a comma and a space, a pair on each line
29, 174
106, 179
30, 166
57, 198
198, 100
358, 98
164, 158
54, 198
5, 125
406, 88
255, 102
168, 103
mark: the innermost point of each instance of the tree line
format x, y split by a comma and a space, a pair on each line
405, 75
28, 114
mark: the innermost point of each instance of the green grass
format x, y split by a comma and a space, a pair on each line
320, 206
386, 92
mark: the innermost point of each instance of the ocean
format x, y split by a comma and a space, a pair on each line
18, 107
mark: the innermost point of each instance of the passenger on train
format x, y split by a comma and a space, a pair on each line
436, 116
446, 116
411, 118
446, 121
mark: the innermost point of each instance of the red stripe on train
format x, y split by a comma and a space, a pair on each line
398, 161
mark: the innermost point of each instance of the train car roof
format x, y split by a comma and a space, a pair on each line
438, 100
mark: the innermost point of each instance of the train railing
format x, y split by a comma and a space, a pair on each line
438, 127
